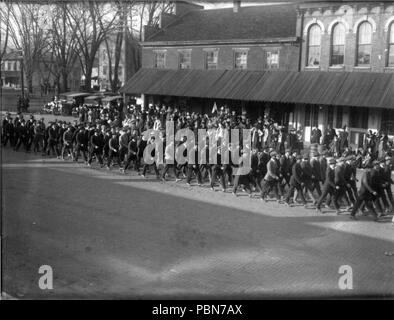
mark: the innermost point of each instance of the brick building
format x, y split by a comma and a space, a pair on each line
207, 44
349, 38
310, 65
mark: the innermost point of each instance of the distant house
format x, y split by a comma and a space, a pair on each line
11, 70
43, 81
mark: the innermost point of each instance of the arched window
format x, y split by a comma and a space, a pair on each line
364, 42
314, 41
390, 60
338, 45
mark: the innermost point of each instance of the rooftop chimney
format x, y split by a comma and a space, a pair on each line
236, 5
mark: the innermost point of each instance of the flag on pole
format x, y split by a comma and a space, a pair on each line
215, 108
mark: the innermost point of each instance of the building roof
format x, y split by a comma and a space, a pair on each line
363, 89
12, 55
254, 22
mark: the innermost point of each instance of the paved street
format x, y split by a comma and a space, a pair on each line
107, 235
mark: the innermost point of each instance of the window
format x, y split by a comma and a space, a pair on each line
185, 59
9, 66
120, 70
160, 59
314, 40
104, 54
15, 65
272, 59
364, 40
240, 60
390, 60
338, 45
105, 70
211, 59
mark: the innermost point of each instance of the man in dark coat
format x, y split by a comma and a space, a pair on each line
113, 150
296, 182
366, 194
67, 142
96, 147
81, 144
271, 178
132, 152
329, 186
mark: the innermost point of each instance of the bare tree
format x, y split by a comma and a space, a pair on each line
63, 44
116, 40
148, 13
27, 31
4, 27
91, 22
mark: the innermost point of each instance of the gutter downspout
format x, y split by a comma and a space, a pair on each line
301, 40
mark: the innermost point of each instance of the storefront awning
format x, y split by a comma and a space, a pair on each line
363, 89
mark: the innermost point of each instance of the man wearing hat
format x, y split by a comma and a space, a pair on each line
366, 194
96, 147
123, 143
285, 165
8, 130
107, 137
328, 186
21, 134
113, 150
153, 154
296, 182
132, 152
67, 142
323, 165
340, 184
307, 176
81, 144
217, 170
384, 181
316, 173
52, 140
38, 140
350, 172
271, 178
387, 169
255, 175
377, 183
61, 130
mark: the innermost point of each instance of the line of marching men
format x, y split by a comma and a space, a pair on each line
289, 177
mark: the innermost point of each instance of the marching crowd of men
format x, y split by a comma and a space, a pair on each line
277, 165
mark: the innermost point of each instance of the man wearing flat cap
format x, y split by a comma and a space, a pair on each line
307, 176
296, 182
271, 179
366, 194
377, 183
388, 180
328, 186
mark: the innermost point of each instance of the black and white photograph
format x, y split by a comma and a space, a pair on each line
197, 150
